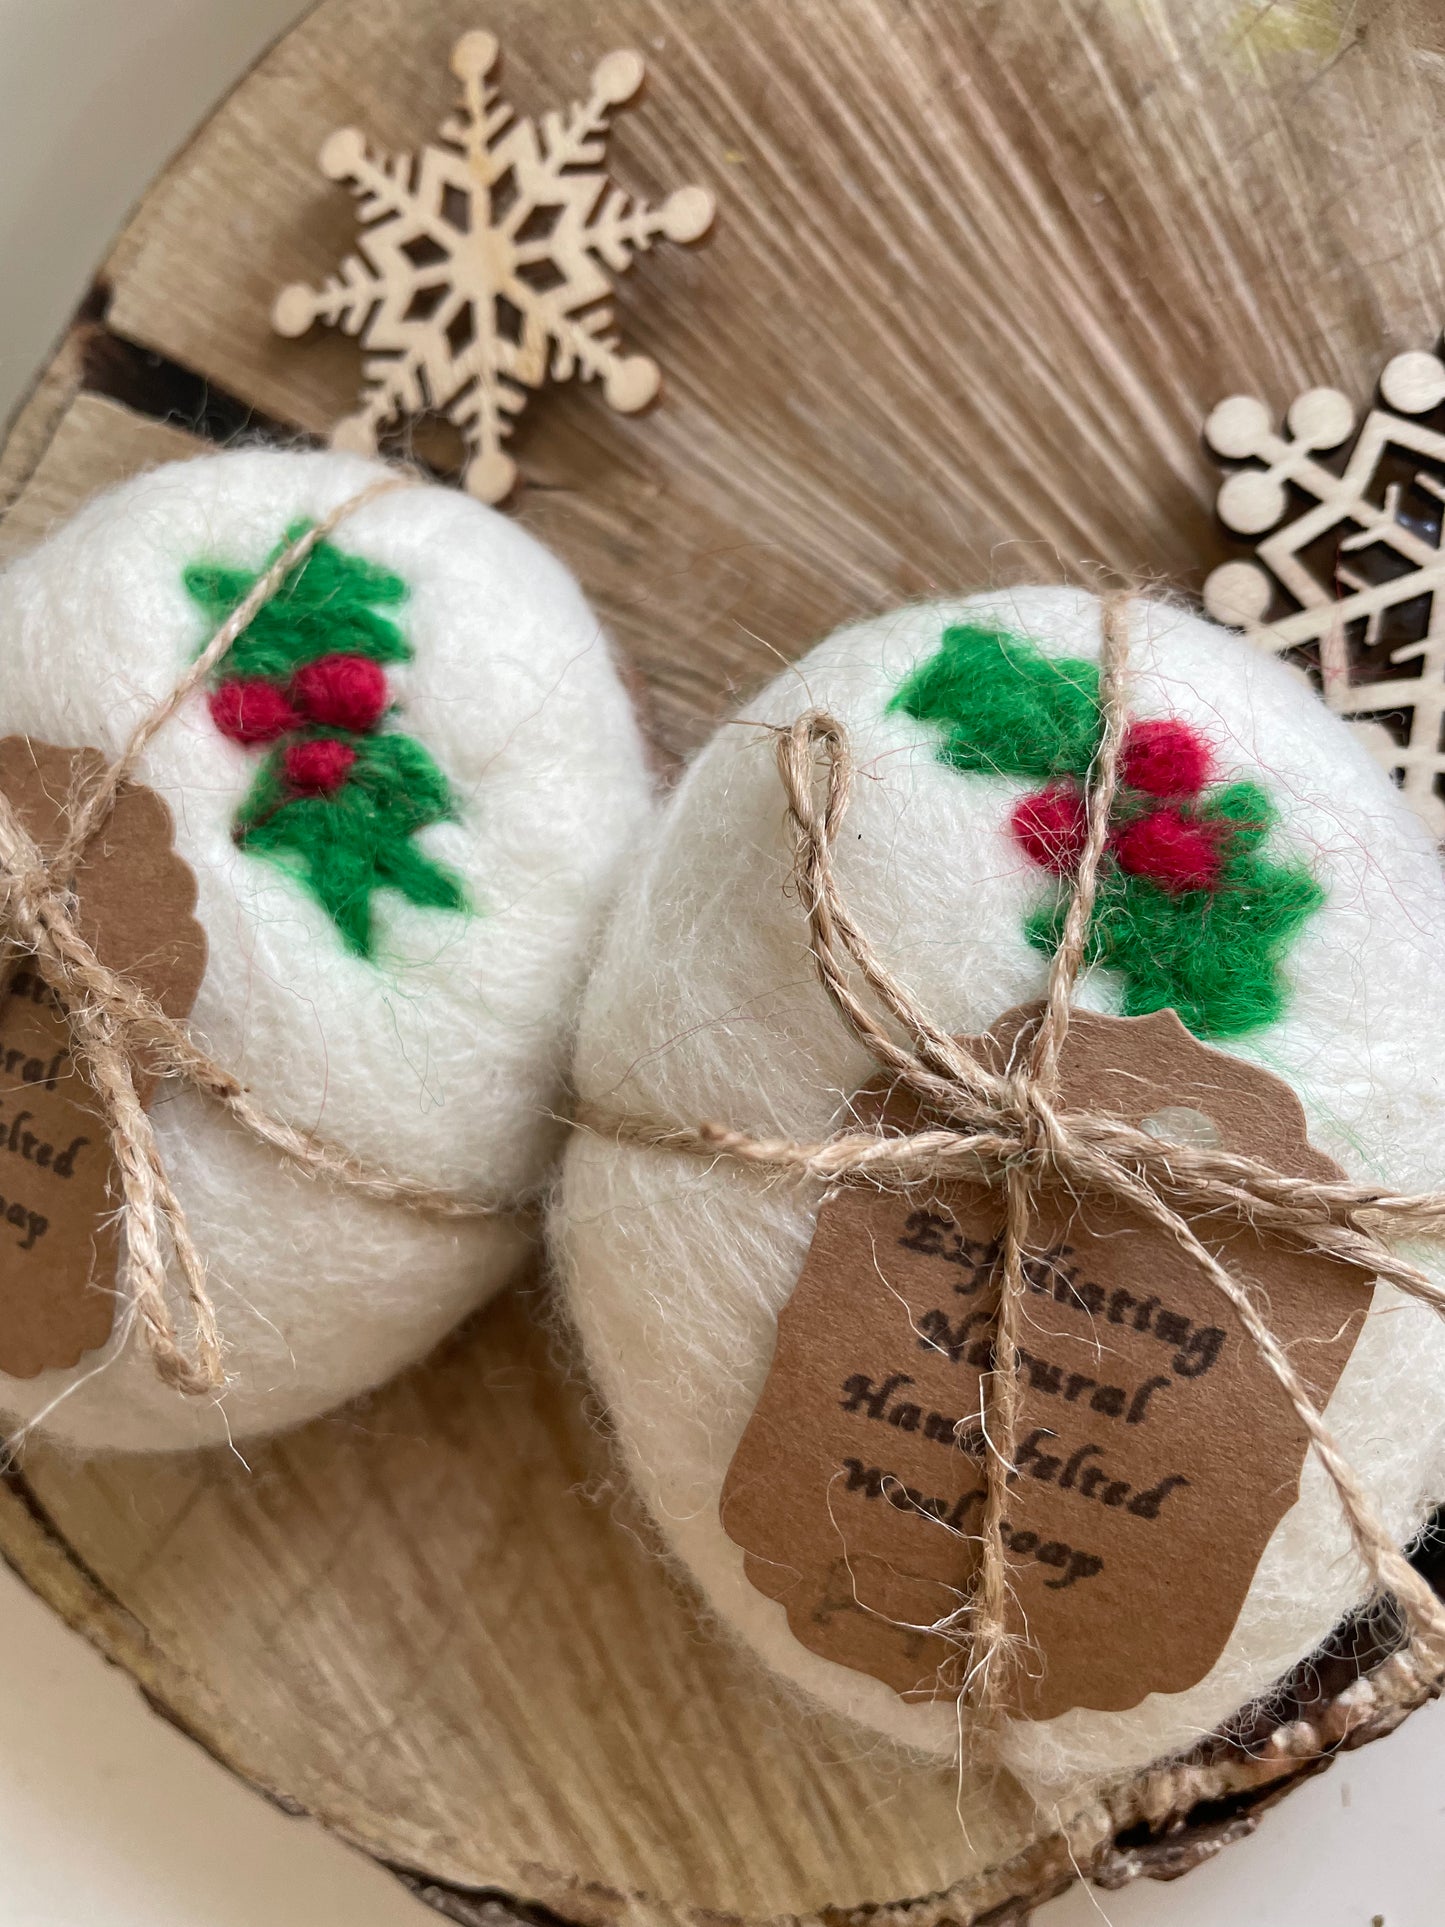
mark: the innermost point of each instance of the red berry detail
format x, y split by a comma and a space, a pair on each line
1164, 757
317, 768
1053, 827
250, 710
343, 692
1170, 850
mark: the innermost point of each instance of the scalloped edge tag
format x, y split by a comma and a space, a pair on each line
1156, 1453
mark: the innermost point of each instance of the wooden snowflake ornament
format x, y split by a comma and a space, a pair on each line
1348, 575
483, 263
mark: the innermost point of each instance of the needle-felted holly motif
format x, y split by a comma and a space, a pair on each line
339, 799
1190, 911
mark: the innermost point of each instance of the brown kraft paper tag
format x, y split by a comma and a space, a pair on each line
135, 901
1156, 1452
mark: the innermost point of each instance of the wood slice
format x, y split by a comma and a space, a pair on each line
980, 271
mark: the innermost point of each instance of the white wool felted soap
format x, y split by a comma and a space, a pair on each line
704, 1006
440, 1056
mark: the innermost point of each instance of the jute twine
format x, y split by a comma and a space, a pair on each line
117, 1032
1007, 1130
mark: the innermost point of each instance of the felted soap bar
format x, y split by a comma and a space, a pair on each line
402, 795
1268, 906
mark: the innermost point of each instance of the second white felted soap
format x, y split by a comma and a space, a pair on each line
403, 985
705, 1007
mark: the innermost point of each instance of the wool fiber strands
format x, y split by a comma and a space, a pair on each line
403, 792
1261, 878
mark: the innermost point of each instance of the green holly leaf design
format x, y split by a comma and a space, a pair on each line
1213, 955
346, 845
1009, 710
330, 604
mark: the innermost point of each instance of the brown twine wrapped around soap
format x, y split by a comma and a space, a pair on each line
1006, 1130
116, 1029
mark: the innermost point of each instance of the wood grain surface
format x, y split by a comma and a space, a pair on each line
980, 270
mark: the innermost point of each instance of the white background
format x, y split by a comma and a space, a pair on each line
107, 1816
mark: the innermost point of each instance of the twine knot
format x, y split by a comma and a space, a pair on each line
1029, 1115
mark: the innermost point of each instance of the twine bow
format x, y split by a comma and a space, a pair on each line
116, 1031
1007, 1130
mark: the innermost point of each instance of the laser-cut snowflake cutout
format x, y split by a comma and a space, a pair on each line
482, 263
1353, 583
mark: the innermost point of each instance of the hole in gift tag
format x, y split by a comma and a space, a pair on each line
1182, 1124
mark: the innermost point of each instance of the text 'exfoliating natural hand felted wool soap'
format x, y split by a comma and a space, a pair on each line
402, 792
1262, 973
